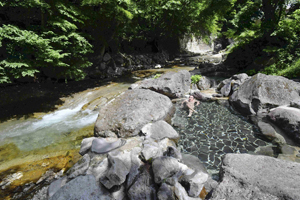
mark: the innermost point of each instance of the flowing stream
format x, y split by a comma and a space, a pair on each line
51, 141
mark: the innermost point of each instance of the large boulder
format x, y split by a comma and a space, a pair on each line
287, 119
127, 114
228, 86
172, 84
264, 92
160, 130
247, 176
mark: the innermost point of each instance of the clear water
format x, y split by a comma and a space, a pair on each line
214, 131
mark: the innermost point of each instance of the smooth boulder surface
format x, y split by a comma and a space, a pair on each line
228, 86
127, 114
287, 119
172, 84
247, 176
82, 187
264, 92
160, 130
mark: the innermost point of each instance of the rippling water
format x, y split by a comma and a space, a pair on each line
214, 131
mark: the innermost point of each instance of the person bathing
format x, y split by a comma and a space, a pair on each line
190, 104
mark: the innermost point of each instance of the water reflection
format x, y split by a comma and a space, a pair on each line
213, 132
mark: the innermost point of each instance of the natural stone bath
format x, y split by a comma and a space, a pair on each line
214, 131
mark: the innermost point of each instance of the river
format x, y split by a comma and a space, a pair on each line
44, 145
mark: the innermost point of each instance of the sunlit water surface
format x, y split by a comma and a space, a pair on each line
214, 131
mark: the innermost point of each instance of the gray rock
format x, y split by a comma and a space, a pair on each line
226, 89
264, 92
119, 193
269, 132
106, 57
194, 163
204, 83
80, 167
127, 114
42, 194
287, 119
119, 167
98, 167
56, 185
172, 84
166, 192
151, 149
101, 145
240, 77
82, 187
202, 97
143, 187
195, 182
160, 130
86, 145
173, 152
247, 176
181, 193
165, 167
136, 163
295, 104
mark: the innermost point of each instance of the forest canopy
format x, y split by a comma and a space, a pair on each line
40, 37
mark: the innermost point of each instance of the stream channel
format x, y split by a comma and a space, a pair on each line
38, 148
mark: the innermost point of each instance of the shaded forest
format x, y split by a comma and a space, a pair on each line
40, 37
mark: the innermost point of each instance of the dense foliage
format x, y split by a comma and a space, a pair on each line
266, 32
54, 38
43, 38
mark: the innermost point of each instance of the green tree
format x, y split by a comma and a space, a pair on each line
39, 37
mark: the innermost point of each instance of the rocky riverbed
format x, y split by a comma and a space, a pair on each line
146, 162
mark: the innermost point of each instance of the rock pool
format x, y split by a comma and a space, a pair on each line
214, 131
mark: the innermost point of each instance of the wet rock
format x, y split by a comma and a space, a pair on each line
288, 119
143, 187
56, 185
172, 84
264, 92
86, 145
119, 167
127, 114
160, 130
247, 176
269, 131
166, 192
201, 96
82, 187
80, 167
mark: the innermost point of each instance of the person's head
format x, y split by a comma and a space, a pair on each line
191, 97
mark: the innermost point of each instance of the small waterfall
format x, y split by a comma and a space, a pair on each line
195, 45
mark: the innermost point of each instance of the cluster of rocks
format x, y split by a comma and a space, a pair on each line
145, 163
134, 153
271, 100
119, 64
